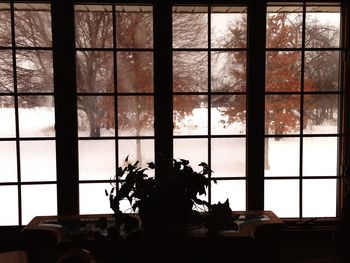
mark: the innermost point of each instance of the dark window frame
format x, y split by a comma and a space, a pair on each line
65, 98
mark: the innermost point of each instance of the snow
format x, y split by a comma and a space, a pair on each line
97, 161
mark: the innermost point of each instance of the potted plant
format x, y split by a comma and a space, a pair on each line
166, 204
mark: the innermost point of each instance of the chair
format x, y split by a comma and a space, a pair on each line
17, 256
76, 255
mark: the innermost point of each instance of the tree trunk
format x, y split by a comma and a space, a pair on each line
95, 130
266, 154
138, 125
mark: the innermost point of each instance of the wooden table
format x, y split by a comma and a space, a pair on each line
255, 239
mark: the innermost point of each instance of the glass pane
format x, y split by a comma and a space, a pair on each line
321, 114
137, 150
134, 26
282, 114
95, 71
322, 71
282, 156
96, 116
93, 200
8, 162
190, 27
235, 191
228, 29
5, 26
38, 161
135, 116
283, 71
319, 198
7, 117
34, 71
135, 71
6, 72
8, 205
38, 200
194, 150
228, 157
36, 116
282, 197
190, 115
228, 114
93, 29
96, 160
190, 71
228, 71
322, 27
284, 27
320, 156
33, 25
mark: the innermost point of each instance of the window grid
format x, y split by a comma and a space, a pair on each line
15, 94
116, 94
302, 93
209, 94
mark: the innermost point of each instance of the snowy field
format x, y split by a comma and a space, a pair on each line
97, 161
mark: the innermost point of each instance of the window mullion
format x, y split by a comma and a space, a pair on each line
66, 106
256, 104
163, 104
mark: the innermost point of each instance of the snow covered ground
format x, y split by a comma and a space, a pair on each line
97, 161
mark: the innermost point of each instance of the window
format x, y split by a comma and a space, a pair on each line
209, 95
261, 103
27, 132
302, 109
114, 57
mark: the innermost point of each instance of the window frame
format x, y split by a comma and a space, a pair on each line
63, 37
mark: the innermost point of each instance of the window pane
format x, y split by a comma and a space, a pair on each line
234, 190
322, 27
322, 71
134, 26
194, 150
228, 114
36, 116
284, 26
38, 200
321, 114
95, 71
228, 157
135, 71
33, 25
96, 159
93, 29
320, 156
282, 197
190, 27
138, 150
8, 164
283, 70
319, 198
5, 26
190, 115
93, 200
6, 72
8, 205
38, 161
282, 114
228, 27
7, 117
34, 71
190, 71
135, 116
228, 71
282, 156
96, 116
